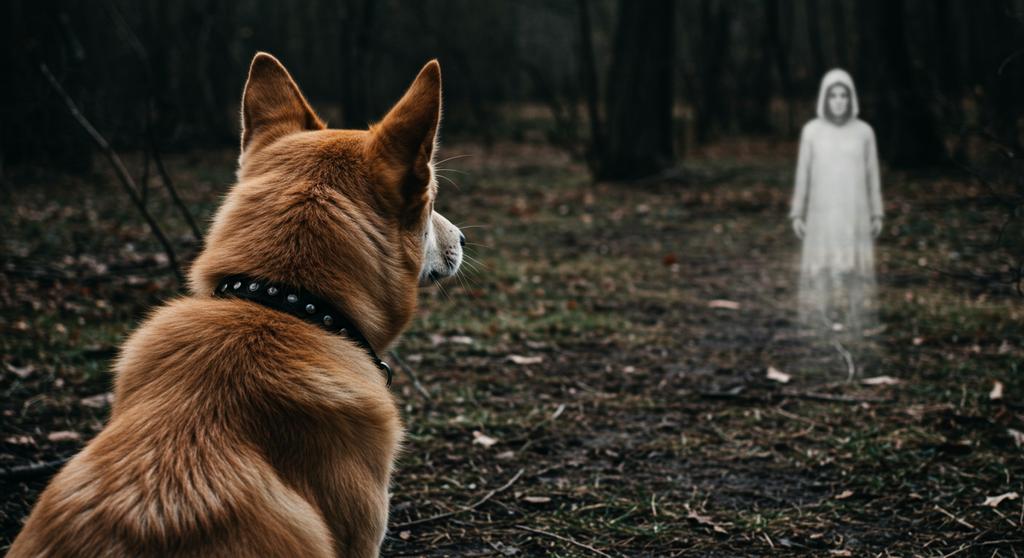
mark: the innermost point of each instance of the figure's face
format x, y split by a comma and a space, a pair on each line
838, 101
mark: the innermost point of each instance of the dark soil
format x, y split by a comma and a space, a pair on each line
586, 397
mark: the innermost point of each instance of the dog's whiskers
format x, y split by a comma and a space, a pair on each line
473, 261
450, 181
442, 290
463, 281
452, 159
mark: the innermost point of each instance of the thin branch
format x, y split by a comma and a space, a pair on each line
590, 82
122, 172
569, 540
812, 396
412, 375
165, 178
151, 141
470, 507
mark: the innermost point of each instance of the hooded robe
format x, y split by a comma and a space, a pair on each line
837, 194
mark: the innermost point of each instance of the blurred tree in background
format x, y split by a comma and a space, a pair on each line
632, 86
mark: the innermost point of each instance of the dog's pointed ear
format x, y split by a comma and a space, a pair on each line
403, 142
272, 105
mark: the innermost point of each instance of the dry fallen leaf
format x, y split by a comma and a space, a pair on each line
997, 391
844, 495
881, 381
461, 339
994, 501
64, 436
1017, 436
523, 360
704, 520
20, 440
404, 535
777, 375
20, 371
483, 439
724, 304
98, 401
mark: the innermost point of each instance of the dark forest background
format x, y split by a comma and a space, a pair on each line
630, 86
617, 369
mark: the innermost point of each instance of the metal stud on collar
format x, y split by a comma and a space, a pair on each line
301, 304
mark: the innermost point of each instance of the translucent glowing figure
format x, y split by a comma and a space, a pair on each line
837, 211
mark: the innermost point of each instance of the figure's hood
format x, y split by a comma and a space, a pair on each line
831, 78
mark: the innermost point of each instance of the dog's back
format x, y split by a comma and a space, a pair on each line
242, 429
226, 410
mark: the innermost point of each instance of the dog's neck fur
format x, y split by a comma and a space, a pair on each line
295, 252
337, 212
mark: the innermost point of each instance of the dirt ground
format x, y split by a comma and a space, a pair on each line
596, 382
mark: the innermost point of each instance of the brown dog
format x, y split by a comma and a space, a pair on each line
242, 430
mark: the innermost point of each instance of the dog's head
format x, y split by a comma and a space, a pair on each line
346, 214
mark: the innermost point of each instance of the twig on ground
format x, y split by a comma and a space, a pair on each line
122, 172
564, 539
813, 396
412, 375
953, 517
833, 398
470, 507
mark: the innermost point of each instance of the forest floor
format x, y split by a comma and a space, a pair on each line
598, 384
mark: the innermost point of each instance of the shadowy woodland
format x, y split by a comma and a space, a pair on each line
617, 372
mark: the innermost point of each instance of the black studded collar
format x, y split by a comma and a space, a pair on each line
299, 303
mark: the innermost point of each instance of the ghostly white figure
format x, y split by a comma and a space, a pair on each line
837, 211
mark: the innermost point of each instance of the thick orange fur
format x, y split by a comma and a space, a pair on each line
241, 431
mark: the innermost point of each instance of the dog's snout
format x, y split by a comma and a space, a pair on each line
462, 240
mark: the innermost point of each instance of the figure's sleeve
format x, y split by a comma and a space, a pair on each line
803, 176
873, 176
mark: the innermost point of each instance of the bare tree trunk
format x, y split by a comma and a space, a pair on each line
356, 19
907, 134
590, 84
814, 38
714, 48
778, 52
1002, 65
639, 141
841, 34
